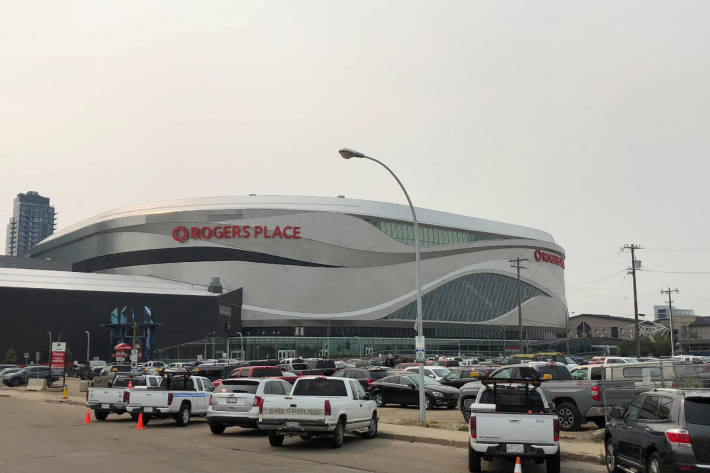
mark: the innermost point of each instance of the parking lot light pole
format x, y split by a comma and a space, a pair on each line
347, 153
88, 344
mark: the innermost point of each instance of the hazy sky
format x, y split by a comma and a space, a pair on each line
590, 120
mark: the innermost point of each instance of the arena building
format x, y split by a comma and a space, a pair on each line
304, 268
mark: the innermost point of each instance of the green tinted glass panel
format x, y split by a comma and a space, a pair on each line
428, 236
471, 298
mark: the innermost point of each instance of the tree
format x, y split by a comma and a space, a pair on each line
11, 356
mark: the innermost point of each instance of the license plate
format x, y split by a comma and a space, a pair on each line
514, 448
231, 400
292, 425
105, 406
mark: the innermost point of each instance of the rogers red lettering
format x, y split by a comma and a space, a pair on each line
181, 234
549, 258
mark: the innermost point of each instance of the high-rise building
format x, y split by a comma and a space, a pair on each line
32, 221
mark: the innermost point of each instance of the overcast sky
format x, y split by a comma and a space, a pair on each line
589, 120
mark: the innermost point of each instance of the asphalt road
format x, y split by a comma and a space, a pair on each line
47, 437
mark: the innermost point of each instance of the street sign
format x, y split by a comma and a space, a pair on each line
59, 346
134, 354
27, 356
134, 365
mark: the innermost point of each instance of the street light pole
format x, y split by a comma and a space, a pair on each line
346, 153
49, 360
88, 343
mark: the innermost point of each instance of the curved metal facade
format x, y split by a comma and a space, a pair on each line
308, 260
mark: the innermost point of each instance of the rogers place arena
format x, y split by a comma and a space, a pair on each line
315, 275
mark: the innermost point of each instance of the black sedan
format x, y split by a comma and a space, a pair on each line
403, 389
661, 431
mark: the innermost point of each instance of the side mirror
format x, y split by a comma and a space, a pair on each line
412, 386
552, 406
615, 413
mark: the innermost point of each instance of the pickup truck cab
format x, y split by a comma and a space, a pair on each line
513, 419
179, 396
105, 401
319, 405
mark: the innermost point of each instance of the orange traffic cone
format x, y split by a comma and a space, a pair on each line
139, 426
518, 466
87, 419
130, 384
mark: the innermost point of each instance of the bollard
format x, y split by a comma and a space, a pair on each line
65, 392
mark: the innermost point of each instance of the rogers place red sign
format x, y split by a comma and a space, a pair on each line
549, 258
220, 232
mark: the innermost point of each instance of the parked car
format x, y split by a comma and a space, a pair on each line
179, 396
236, 401
435, 372
366, 376
576, 402
513, 420
22, 376
459, 377
256, 372
661, 431
105, 375
153, 367
5, 371
4, 366
319, 405
403, 389
326, 367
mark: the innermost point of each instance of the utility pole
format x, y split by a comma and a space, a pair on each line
669, 291
637, 336
517, 265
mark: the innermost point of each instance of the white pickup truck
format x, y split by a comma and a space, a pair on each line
319, 405
105, 401
511, 418
179, 396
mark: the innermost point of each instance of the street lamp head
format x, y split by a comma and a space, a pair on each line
348, 153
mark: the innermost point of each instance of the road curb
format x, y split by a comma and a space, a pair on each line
580, 457
66, 401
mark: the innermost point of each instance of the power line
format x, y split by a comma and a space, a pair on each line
675, 272
691, 250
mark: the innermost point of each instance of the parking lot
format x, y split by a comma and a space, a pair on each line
49, 437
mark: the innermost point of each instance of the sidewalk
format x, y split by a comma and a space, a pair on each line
572, 449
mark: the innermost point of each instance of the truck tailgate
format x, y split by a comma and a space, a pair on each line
297, 408
148, 398
105, 395
519, 428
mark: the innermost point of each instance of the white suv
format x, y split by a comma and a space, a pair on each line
236, 401
436, 372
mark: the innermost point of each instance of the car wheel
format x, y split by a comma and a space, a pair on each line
380, 400
134, 416
338, 434
217, 428
275, 440
183, 415
372, 429
552, 463
404, 406
570, 419
600, 422
15, 382
451, 407
100, 415
146, 419
610, 455
654, 463
474, 460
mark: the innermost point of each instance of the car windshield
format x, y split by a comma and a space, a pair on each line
300, 366
229, 386
512, 400
441, 372
319, 387
427, 381
379, 374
